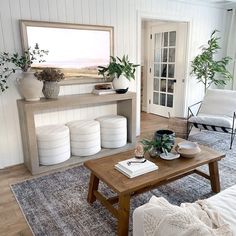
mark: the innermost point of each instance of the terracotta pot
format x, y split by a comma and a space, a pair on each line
29, 87
121, 84
51, 89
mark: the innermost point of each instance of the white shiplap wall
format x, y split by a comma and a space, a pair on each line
123, 15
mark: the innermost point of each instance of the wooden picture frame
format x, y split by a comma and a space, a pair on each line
75, 49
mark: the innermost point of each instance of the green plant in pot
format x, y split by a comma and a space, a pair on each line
157, 146
10, 63
121, 70
207, 69
50, 78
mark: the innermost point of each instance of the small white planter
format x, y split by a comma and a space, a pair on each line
29, 87
121, 84
51, 89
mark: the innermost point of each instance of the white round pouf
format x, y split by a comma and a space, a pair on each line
53, 144
113, 131
85, 137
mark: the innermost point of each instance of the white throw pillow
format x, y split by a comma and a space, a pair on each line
163, 218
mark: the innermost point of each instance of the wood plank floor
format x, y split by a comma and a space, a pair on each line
12, 221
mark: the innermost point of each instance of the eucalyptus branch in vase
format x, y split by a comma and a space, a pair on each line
10, 63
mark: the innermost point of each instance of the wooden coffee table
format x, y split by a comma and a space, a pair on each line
103, 169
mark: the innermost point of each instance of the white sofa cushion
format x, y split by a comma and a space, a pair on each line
222, 121
219, 102
225, 203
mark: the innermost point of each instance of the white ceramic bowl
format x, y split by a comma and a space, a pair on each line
188, 149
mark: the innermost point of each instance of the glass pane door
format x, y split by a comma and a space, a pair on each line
164, 68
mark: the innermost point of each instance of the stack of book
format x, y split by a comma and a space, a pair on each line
134, 167
103, 91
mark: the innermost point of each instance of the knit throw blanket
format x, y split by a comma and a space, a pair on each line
190, 219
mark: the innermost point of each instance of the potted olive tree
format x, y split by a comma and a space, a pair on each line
30, 88
50, 78
121, 70
207, 69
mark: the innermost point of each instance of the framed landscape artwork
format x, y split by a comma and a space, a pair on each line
75, 49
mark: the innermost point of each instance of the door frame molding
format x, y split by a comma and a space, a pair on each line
143, 15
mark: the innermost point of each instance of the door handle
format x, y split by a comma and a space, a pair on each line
174, 81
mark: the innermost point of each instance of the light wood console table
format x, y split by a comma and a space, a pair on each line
126, 106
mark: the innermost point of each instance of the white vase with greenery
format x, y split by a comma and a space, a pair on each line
120, 82
121, 70
29, 87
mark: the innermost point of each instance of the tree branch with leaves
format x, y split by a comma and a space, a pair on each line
117, 67
208, 70
10, 63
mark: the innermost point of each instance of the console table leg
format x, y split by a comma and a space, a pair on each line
123, 218
93, 185
214, 176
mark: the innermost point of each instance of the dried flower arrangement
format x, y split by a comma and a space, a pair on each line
50, 75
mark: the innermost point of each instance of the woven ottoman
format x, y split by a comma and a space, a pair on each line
113, 131
85, 137
53, 144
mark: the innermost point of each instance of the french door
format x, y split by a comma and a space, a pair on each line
167, 69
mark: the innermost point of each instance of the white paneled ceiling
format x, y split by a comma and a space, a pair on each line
219, 3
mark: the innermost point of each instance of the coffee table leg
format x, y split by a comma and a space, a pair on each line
123, 218
93, 185
214, 176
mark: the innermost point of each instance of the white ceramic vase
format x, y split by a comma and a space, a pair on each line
29, 87
121, 84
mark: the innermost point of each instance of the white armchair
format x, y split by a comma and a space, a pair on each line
217, 112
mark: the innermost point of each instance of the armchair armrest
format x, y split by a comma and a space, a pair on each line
190, 112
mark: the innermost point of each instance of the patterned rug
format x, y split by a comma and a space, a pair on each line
56, 204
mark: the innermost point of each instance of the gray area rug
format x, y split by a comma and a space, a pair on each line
56, 204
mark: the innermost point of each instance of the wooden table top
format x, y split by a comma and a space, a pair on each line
104, 169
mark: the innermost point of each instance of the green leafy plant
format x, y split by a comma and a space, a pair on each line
117, 67
206, 69
10, 63
50, 75
163, 145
